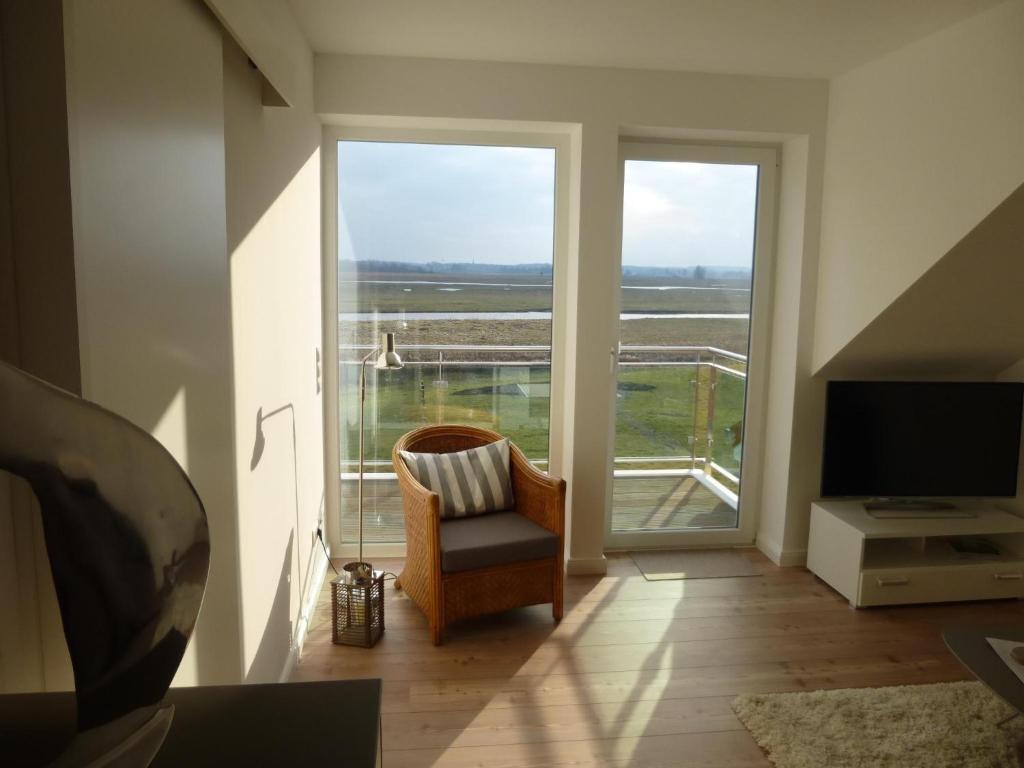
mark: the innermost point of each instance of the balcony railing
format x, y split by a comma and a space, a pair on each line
679, 414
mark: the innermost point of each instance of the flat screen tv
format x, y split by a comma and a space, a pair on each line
921, 440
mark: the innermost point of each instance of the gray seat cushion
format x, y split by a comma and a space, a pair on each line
499, 538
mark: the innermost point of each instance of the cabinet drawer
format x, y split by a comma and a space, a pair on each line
981, 581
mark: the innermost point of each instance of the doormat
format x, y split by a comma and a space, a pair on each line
670, 565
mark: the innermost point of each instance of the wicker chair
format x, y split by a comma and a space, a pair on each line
446, 597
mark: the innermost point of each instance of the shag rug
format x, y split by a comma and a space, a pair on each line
945, 725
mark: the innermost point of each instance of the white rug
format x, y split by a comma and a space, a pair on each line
946, 725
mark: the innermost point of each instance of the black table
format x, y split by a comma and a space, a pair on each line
971, 648
290, 724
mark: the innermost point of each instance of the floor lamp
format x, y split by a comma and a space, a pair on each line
387, 360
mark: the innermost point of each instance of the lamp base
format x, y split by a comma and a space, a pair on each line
357, 572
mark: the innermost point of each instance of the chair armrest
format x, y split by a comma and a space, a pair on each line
411, 488
539, 497
422, 510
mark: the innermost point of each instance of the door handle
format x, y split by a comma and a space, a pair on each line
1007, 576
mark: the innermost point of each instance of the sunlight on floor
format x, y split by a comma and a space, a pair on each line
637, 673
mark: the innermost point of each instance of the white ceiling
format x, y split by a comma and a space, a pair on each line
801, 38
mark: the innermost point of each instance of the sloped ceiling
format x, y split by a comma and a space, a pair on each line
964, 318
792, 38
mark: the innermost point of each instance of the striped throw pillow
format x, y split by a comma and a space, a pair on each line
469, 482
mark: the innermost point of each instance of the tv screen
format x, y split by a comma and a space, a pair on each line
921, 439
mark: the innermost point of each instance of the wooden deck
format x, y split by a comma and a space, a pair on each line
637, 673
667, 503
661, 503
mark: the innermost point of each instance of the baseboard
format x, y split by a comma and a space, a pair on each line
791, 558
306, 610
784, 558
587, 566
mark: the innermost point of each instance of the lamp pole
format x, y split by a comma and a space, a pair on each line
387, 360
362, 409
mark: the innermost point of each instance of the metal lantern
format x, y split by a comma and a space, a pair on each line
357, 610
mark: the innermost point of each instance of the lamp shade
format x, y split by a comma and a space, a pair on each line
388, 359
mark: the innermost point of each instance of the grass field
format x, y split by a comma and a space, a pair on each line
655, 408
397, 292
728, 334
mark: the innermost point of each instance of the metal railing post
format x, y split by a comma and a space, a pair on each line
695, 383
712, 384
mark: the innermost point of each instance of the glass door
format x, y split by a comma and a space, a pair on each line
695, 241
451, 246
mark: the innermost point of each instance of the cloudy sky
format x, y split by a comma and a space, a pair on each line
685, 214
436, 202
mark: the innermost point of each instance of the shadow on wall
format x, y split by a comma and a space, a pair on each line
963, 317
179, 152
277, 635
273, 251
256, 181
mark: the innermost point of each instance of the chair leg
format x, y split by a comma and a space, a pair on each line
436, 633
559, 596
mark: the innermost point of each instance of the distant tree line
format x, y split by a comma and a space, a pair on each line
698, 272
442, 267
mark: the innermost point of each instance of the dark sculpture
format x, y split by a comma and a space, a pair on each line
129, 550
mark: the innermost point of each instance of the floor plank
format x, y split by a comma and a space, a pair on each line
637, 673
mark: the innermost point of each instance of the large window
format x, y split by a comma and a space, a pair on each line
451, 247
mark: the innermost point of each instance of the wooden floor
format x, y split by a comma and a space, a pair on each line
637, 673
639, 503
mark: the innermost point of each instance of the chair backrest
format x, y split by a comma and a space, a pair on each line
445, 438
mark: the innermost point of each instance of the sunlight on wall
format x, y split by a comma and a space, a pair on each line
172, 428
172, 431
276, 319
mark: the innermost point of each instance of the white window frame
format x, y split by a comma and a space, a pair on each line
767, 160
497, 134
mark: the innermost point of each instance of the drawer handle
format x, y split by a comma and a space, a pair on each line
892, 581
1007, 576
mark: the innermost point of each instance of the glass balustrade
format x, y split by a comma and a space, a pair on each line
679, 410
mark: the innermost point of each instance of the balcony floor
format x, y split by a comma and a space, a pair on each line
640, 503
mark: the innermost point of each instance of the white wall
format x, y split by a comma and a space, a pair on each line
793, 418
266, 31
603, 104
197, 235
146, 124
922, 144
273, 225
962, 318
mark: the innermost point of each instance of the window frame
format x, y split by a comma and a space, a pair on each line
767, 158
500, 134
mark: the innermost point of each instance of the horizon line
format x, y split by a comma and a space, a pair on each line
543, 264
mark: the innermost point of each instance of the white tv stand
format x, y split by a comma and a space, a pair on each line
872, 561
